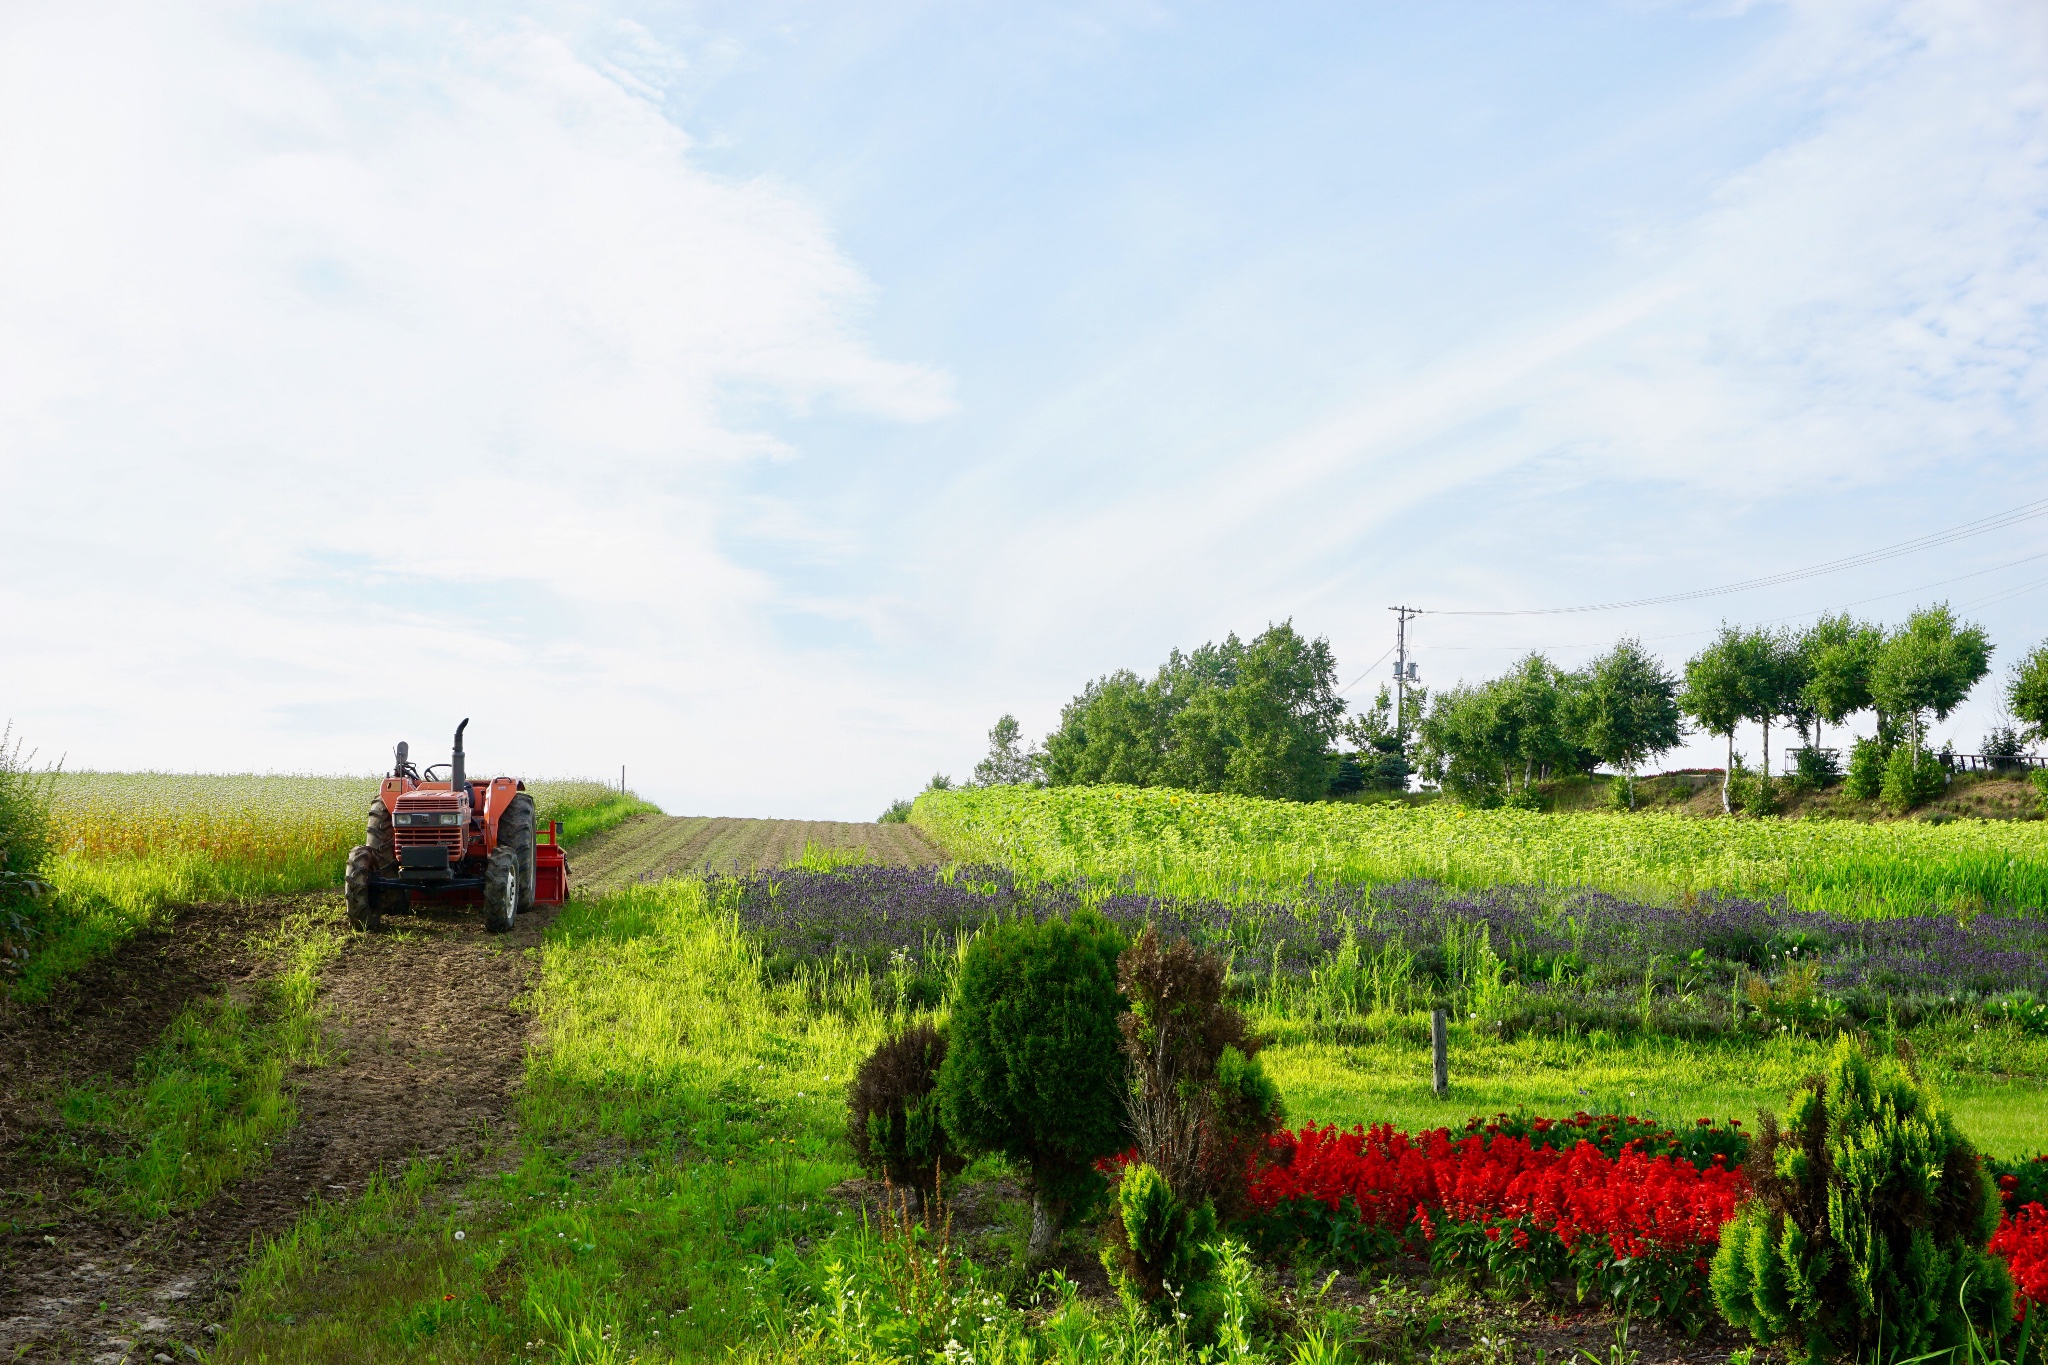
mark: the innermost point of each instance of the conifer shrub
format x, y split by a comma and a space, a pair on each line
1033, 1068
1865, 1236
1199, 1106
893, 1116
1156, 1243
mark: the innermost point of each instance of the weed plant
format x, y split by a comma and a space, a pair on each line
1206, 846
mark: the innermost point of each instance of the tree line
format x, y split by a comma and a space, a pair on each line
1264, 718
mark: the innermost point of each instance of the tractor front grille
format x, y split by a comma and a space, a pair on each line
449, 837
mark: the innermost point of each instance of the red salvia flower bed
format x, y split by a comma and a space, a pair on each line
1632, 1225
2022, 1241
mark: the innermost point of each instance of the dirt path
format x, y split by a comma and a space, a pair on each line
427, 1053
650, 847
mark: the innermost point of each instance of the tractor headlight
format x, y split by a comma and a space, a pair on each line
427, 817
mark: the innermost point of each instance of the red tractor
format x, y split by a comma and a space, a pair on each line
451, 841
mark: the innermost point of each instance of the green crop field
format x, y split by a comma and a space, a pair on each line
1193, 844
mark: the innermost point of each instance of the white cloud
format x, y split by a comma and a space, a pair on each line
391, 381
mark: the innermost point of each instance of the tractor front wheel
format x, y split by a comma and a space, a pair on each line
515, 831
501, 890
364, 900
377, 834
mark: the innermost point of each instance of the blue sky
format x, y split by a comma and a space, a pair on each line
768, 397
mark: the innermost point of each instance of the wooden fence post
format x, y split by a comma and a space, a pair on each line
1440, 1051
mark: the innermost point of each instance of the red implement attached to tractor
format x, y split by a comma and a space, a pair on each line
452, 841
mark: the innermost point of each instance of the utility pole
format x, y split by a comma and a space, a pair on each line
1404, 672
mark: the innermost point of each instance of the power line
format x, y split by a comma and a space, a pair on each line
1998, 521
1369, 668
2000, 595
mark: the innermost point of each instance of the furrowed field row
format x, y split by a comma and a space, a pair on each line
1198, 844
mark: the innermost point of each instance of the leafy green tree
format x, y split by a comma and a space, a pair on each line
1283, 713
1008, 764
1531, 704
1777, 686
1257, 719
1719, 690
1628, 712
1463, 744
1110, 733
1839, 654
1034, 1065
2026, 694
1929, 664
1864, 1238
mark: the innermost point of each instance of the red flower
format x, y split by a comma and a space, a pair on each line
2022, 1239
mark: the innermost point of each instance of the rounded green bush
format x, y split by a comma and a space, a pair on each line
1034, 1068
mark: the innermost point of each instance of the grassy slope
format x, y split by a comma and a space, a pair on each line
684, 1119
1209, 845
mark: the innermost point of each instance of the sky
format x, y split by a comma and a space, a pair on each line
766, 397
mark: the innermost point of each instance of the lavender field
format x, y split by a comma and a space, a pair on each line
1513, 959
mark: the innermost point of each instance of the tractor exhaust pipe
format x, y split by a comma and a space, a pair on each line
457, 776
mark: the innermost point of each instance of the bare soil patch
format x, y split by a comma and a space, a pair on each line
652, 847
427, 1047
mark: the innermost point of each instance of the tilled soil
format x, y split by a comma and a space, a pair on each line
426, 1049
651, 847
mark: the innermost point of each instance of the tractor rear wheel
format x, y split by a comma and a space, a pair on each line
501, 890
515, 831
364, 900
377, 835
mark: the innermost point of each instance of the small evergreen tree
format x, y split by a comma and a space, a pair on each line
1864, 1239
893, 1116
1382, 739
1199, 1107
1034, 1068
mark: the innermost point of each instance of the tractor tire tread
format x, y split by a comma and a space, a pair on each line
364, 901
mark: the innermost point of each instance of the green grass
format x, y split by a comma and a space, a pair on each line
713, 1102
132, 847
210, 1095
1995, 1080
1196, 844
